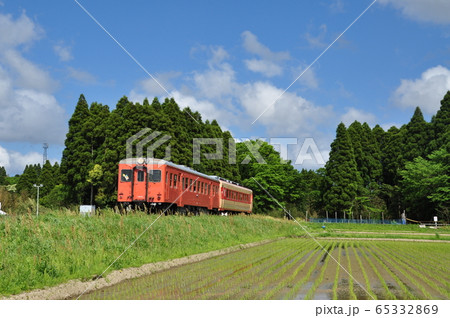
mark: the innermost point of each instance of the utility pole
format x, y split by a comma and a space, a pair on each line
37, 197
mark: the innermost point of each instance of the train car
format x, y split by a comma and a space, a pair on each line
162, 185
234, 198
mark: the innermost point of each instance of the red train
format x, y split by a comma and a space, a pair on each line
162, 185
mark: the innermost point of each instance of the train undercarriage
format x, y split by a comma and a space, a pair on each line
170, 209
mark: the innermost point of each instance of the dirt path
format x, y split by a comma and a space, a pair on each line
74, 288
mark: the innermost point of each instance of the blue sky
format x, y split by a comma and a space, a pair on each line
227, 59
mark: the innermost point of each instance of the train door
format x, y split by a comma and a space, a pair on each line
139, 184
210, 197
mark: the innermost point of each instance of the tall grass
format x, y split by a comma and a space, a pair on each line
58, 246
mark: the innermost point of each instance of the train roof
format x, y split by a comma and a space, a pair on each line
159, 162
234, 185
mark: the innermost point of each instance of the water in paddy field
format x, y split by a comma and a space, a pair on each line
324, 292
273, 270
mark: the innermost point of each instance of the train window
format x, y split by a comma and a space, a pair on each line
195, 185
175, 180
186, 184
167, 174
190, 185
140, 175
154, 175
209, 188
170, 180
125, 175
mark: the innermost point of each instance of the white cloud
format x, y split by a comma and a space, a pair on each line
149, 88
436, 11
4, 158
17, 32
81, 76
63, 52
308, 79
217, 94
291, 115
265, 67
206, 108
362, 116
28, 111
15, 162
26, 74
268, 63
215, 82
29, 115
337, 6
219, 54
317, 41
426, 91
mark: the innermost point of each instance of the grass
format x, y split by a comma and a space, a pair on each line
56, 247
59, 246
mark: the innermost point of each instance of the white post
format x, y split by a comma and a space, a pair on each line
37, 197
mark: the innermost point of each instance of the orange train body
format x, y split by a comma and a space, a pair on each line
162, 184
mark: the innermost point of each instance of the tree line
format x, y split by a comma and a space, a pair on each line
370, 171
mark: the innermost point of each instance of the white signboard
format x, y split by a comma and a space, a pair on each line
435, 219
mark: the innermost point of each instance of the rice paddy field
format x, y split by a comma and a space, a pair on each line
300, 268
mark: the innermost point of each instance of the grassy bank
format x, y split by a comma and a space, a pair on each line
57, 247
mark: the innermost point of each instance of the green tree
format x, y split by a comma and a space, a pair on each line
47, 179
441, 125
426, 185
417, 136
372, 156
77, 154
258, 162
29, 177
342, 175
3, 175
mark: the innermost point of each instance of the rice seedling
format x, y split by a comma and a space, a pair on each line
361, 268
403, 265
349, 269
402, 286
322, 272
336, 277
